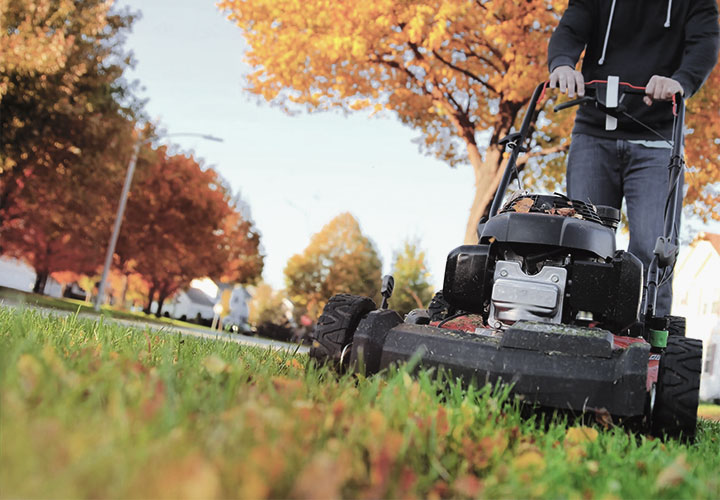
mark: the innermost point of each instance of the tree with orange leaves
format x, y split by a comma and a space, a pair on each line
339, 259
180, 224
702, 149
451, 69
58, 221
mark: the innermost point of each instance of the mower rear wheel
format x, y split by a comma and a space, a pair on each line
677, 391
676, 326
336, 326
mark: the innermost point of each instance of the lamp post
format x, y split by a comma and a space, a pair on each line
121, 209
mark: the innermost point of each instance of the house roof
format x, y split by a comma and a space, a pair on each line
714, 240
198, 297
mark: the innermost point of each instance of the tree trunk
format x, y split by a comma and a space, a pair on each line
161, 300
487, 177
151, 295
40, 281
123, 297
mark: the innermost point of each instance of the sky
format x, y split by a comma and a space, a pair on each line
296, 172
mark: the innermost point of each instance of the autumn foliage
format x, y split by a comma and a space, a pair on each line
67, 127
180, 224
412, 286
339, 259
457, 71
69, 123
449, 69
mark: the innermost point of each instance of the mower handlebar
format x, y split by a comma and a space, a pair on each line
592, 98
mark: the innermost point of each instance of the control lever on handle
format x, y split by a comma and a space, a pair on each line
574, 102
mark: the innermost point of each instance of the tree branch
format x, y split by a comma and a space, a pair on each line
470, 52
543, 152
465, 72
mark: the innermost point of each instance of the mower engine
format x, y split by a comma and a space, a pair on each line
547, 258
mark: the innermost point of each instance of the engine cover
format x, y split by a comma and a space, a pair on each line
552, 230
518, 296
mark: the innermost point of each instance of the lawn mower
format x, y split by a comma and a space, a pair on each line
544, 302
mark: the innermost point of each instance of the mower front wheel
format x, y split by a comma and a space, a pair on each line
336, 327
677, 391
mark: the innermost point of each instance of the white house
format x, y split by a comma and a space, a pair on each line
239, 307
190, 304
696, 295
203, 295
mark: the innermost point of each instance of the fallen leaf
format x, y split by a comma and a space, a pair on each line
29, 369
441, 421
294, 363
321, 478
468, 485
382, 461
673, 474
408, 479
190, 477
530, 460
214, 365
523, 205
286, 386
603, 417
565, 212
580, 434
479, 453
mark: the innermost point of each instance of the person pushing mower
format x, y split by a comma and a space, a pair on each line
670, 47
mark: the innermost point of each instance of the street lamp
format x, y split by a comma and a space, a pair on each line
121, 208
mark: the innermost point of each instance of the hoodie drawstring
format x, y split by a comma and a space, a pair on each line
601, 61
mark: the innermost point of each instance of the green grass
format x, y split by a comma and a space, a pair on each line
73, 305
92, 409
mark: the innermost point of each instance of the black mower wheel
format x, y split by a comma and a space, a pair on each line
336, 326
677, 391
439, 308
676, 326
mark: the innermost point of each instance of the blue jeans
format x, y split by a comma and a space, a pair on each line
603, 171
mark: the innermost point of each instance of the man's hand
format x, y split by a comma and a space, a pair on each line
661, 88
568, 80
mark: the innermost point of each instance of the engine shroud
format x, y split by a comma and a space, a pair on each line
550, 232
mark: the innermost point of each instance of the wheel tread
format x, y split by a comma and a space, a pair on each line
337, 324
675, 413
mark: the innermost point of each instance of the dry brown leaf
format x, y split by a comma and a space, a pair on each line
530, 460
673, 474
468, 485
524, 205
286, 386
603, 417
188, 478
580, 435
321, 478
214, 365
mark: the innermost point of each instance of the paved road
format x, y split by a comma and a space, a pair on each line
172, 329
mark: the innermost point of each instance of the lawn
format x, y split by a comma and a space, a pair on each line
73, 305
93, 409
